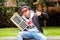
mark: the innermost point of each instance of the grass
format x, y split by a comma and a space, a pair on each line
52, 31
4, 32
48, 31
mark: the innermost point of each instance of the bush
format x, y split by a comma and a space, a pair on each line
5, 14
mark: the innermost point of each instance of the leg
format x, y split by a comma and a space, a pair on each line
24, 34
39, 36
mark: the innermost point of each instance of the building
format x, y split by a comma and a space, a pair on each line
11, 3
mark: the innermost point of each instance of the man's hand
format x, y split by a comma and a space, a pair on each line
38, 13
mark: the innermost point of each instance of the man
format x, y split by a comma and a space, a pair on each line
31, 19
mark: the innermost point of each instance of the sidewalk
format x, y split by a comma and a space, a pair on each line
53, 37
15, 38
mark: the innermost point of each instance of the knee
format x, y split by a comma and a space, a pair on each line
19, 34
44, 38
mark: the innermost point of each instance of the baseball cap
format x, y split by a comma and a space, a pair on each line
23, 8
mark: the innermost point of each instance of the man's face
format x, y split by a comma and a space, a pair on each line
26, 13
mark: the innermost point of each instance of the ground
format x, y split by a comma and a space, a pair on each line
48, 31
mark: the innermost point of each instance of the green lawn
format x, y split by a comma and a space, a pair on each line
8, 32
52, 31
48, 31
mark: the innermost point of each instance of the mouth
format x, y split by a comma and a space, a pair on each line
28, 17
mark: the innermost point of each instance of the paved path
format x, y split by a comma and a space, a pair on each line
15, 38
8, 38
53, 37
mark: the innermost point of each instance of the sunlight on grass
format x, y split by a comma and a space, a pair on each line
8, 32
48, 31
52, 31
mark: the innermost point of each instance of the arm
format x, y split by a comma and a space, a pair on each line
42, 15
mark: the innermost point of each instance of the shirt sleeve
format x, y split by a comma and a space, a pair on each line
44, 16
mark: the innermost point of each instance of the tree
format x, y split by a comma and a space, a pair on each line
47, 3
